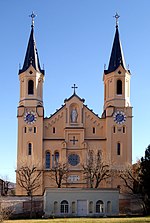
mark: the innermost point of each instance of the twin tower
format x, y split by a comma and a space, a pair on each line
74, 130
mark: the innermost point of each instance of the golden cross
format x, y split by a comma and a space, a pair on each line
32, 17
116, 17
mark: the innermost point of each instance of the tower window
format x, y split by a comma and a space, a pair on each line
53, 129
25, 129
30, 87
34, 129
124, 129
118, 148
30, 72
119, 87
114, 129
47, 160
93, 130
29, 149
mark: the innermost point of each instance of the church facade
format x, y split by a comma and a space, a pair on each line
68, 135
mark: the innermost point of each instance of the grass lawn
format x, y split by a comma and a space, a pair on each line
85, 220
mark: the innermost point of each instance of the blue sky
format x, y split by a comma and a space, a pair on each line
74, 40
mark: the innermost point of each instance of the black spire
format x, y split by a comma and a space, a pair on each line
31, 57
116, 58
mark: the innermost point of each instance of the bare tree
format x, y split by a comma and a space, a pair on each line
96, 169
58, 173
6, 212
131, 178
28, 178
132, 184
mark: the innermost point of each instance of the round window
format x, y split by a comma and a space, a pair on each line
73, 159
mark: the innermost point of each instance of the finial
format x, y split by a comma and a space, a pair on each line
116, 17
74, 86
32, 17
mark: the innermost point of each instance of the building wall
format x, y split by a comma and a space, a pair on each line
74, 130
87, 198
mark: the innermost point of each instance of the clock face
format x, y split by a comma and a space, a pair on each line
30, 117
119, 117
73, 159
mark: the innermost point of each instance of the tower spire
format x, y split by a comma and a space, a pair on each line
117, 57
31, 57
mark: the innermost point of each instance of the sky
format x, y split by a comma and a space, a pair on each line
74, 40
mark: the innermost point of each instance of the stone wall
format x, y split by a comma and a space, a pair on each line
20, 205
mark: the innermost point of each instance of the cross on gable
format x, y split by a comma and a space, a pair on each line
74, 87
74, 140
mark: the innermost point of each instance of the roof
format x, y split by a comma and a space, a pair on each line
117, 57
74, 95
66, 100
31, 57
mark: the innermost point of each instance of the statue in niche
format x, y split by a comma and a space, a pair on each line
74, 115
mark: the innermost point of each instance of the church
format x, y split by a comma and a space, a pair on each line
68, 135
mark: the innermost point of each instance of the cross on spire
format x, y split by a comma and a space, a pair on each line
116, 16
32, 17
74, 87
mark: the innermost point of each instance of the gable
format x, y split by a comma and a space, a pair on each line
93, 124
54, 125
74, 115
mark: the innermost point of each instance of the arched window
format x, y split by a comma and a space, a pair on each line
64, 207
91, 207
29, 148
73, 207
47, 160
99, 206
119, 87
118, 148
55, 207
108, 206
56, 158
30, 87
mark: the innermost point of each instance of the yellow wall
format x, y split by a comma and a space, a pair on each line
90, 131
